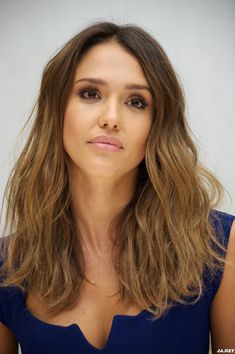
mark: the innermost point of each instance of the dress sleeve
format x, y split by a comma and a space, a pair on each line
2, 301
4, 292
11, 300
3, 307
221, 223
11, 297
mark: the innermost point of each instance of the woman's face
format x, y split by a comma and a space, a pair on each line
109, 99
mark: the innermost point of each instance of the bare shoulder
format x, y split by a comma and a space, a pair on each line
8, 342
222, 315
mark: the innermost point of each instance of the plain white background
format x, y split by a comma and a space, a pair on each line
198, 36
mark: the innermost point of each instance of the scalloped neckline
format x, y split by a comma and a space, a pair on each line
75, 326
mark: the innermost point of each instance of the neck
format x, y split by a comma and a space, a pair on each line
95, 202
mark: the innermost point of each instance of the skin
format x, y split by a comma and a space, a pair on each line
103, 181
222, 312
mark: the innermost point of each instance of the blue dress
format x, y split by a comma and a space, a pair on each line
183, 330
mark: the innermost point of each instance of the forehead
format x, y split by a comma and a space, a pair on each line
111, 61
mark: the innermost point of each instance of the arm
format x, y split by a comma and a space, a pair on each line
222, 314
8, 342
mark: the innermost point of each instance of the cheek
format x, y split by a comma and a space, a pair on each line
73, 123
71, 130
139, 142
67, 131
141, 137
77, 120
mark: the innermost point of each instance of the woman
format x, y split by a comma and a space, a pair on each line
114, 244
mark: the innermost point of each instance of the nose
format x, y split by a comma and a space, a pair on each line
110, 118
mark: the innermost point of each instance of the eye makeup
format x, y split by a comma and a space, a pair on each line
92, 94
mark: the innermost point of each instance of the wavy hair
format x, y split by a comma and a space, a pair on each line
163, 238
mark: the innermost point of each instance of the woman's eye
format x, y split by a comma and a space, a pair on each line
88, 94
139, 102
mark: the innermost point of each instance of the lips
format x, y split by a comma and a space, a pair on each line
104, 139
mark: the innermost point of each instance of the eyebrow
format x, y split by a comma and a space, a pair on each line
128, 86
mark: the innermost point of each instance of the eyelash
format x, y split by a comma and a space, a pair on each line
93, 90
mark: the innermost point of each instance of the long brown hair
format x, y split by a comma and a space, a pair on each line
163, 238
